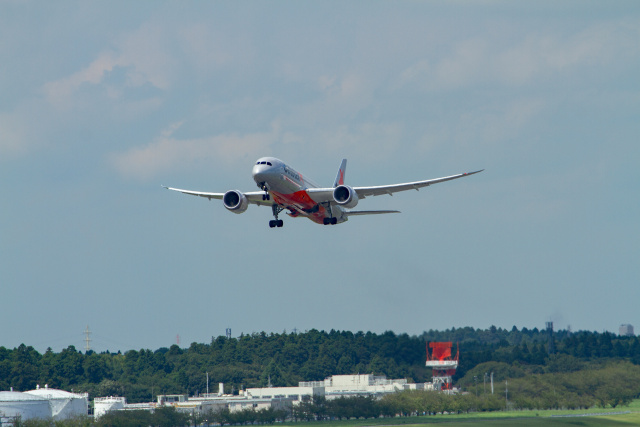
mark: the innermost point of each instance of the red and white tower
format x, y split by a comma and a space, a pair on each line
443, 364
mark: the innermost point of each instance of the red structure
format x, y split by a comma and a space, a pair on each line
443, 364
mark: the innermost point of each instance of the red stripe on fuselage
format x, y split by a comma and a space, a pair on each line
301, 202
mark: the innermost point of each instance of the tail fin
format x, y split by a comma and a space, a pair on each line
340, 177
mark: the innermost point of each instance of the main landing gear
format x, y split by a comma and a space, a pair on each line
276, 222
331, 220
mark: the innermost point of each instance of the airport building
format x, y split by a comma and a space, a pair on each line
269, 397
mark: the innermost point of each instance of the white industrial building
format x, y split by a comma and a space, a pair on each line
263, 398
364, 385
45, 403
63, 405
26, 406
293, 393
191, 405
102, 405
338, 386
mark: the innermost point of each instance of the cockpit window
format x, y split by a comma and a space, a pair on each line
264, 163
269, 163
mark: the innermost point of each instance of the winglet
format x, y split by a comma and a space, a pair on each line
340, 177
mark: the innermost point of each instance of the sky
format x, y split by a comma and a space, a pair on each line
103, 102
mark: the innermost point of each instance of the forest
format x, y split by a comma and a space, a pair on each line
562, 369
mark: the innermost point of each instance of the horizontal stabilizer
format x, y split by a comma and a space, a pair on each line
369, 212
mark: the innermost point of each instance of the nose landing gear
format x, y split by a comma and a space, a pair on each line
263, 187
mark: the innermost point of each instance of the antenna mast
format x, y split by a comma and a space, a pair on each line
87, 340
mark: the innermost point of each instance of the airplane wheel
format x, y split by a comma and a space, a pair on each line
334, 221
326, 221
280, 223
272, 223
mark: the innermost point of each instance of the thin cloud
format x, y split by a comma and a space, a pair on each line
60, 92
168, 153
367, 141
140, 54
13, 136
479, 60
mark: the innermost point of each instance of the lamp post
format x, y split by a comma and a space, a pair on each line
484, 385
506, 394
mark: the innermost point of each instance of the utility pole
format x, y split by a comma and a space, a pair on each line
492, 382
506, 394
484, 384
475, 380
207, 384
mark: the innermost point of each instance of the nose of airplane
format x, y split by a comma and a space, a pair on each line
260, 172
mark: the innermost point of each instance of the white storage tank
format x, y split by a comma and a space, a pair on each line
63, 404
26, 406
102, 405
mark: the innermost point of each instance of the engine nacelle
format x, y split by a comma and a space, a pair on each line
235, 201
345, 196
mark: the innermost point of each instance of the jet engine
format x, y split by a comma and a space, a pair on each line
345, 196
235, 201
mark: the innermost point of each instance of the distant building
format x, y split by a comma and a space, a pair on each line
626, 330
358, 385
102, 405
268, 397
43, 403
63, 405
15, 405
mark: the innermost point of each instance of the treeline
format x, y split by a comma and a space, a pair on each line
170, 417
288, 358
161, 417
610, 384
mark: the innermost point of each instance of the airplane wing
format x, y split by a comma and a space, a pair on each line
394, 188
350, 213
326, 194
254, 197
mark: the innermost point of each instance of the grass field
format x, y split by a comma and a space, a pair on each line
630, 419
596, 417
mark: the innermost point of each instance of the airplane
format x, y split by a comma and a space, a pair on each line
282, 187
